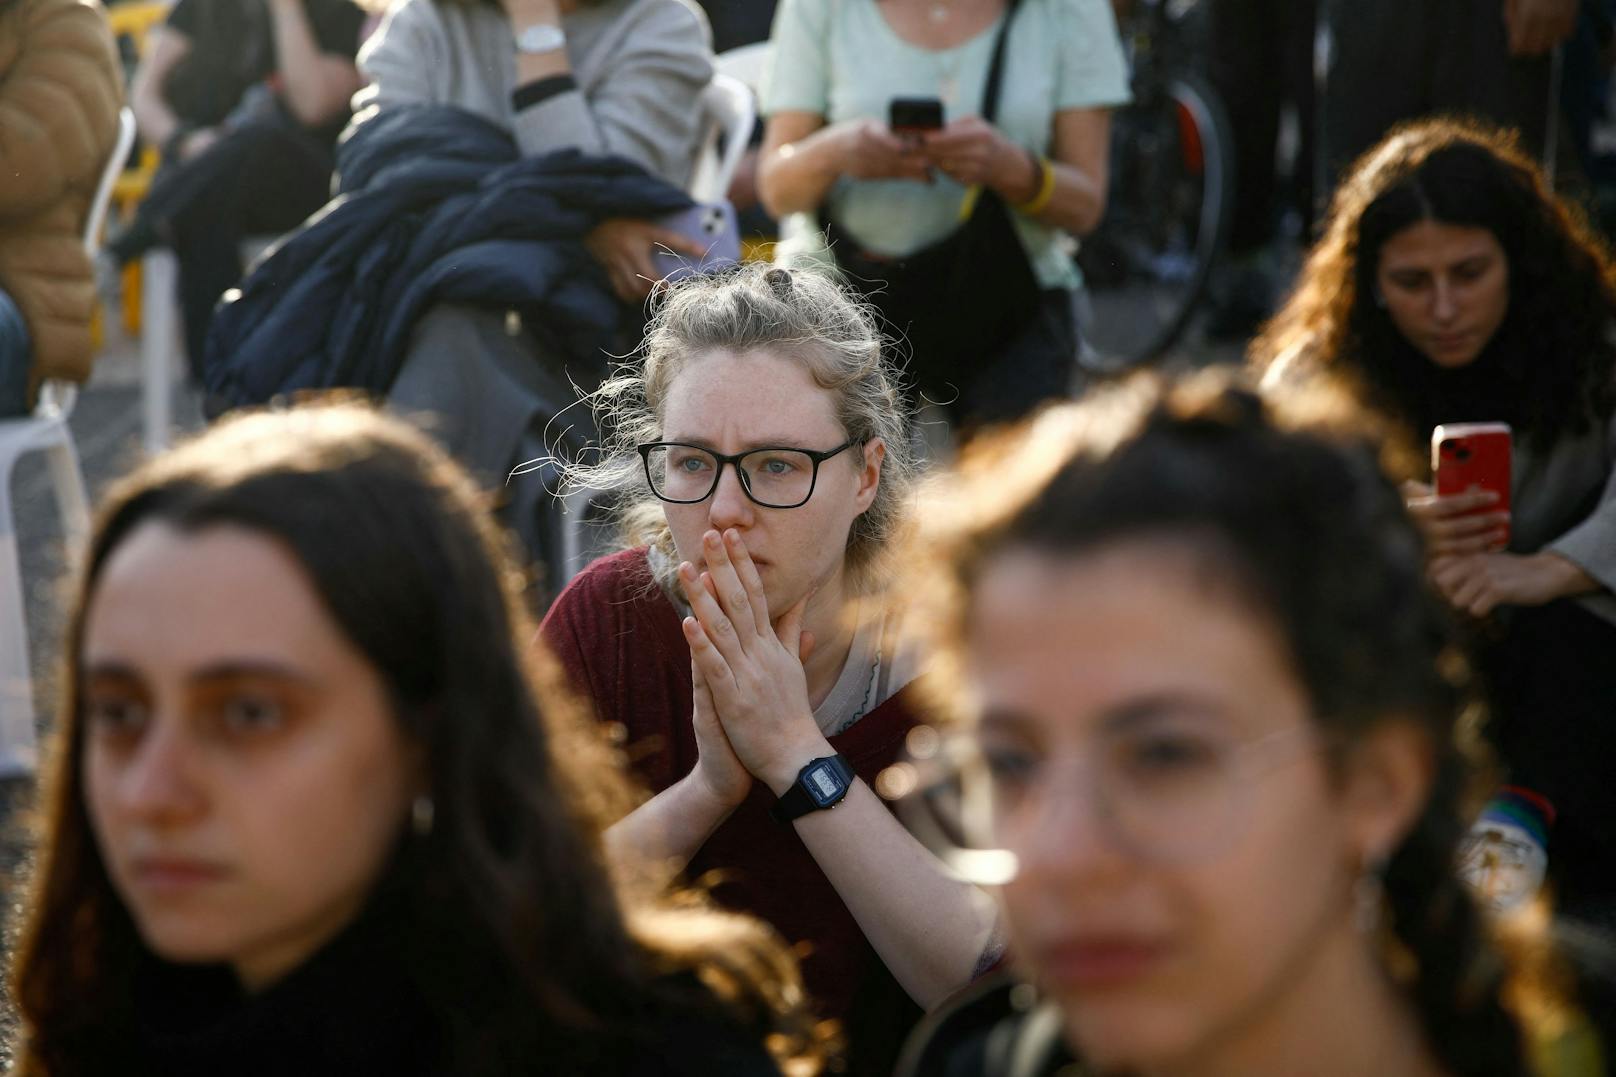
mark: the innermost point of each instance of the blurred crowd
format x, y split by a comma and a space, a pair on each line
622, 621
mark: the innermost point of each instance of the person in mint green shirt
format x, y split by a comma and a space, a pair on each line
837, 64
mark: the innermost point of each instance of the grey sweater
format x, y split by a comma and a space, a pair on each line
640, 67
1550, 489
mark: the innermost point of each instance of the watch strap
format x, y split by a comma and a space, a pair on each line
541, 90
796, 802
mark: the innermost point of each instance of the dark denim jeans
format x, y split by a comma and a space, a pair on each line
16, 350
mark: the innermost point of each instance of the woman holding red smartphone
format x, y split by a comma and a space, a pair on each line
1451, 286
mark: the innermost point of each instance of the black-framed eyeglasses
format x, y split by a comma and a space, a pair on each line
774, 476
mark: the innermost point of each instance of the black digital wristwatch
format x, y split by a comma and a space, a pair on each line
821, 784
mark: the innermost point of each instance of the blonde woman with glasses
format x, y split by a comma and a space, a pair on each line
742, 644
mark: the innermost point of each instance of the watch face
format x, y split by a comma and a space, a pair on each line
823, 783
542, 37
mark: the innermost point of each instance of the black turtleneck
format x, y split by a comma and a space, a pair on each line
353, 1009
349, 1009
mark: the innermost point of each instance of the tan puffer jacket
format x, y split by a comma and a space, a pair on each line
60, 89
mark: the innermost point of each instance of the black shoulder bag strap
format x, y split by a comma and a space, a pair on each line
990, 94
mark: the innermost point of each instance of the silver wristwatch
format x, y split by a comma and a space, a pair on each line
541, 37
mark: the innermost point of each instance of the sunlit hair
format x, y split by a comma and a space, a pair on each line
1550, 368
1291, 510
515, 935
798, 315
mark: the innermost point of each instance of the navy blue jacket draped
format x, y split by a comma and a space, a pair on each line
434, 204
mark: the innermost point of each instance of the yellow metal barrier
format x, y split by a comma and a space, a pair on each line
135, 21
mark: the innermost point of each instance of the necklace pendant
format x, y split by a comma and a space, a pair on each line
939, 13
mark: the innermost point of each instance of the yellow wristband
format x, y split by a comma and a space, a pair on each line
1046, 190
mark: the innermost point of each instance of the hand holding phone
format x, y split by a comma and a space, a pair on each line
869, 149
1468, 509
711, 229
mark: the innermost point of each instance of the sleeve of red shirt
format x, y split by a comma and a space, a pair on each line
572, 619
618, 642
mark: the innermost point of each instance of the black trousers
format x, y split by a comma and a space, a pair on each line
1035, 366
1552, 681
1397, 60
1260, 61
261, 178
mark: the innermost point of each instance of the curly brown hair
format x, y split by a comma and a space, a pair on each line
1550, 370
519, 939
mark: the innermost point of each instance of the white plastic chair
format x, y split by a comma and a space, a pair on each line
745, 64
45, 431
161, 346
729, 112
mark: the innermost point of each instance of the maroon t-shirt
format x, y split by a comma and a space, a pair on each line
618, 637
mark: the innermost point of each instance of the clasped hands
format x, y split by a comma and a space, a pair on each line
750, 693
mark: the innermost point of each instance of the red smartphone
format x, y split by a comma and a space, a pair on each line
1466, 455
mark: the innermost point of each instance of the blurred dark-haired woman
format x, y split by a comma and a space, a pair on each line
1452, 286
310, 813
1207, 742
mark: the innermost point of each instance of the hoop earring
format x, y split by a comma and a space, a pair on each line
422, 815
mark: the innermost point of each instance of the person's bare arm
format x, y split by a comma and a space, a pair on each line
533, 66
802, 157
929, 928
668, 829
976, 153
1082, 159
155, 120
316, 85
1479, 583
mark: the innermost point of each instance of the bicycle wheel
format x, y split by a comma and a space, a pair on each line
1146, 266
